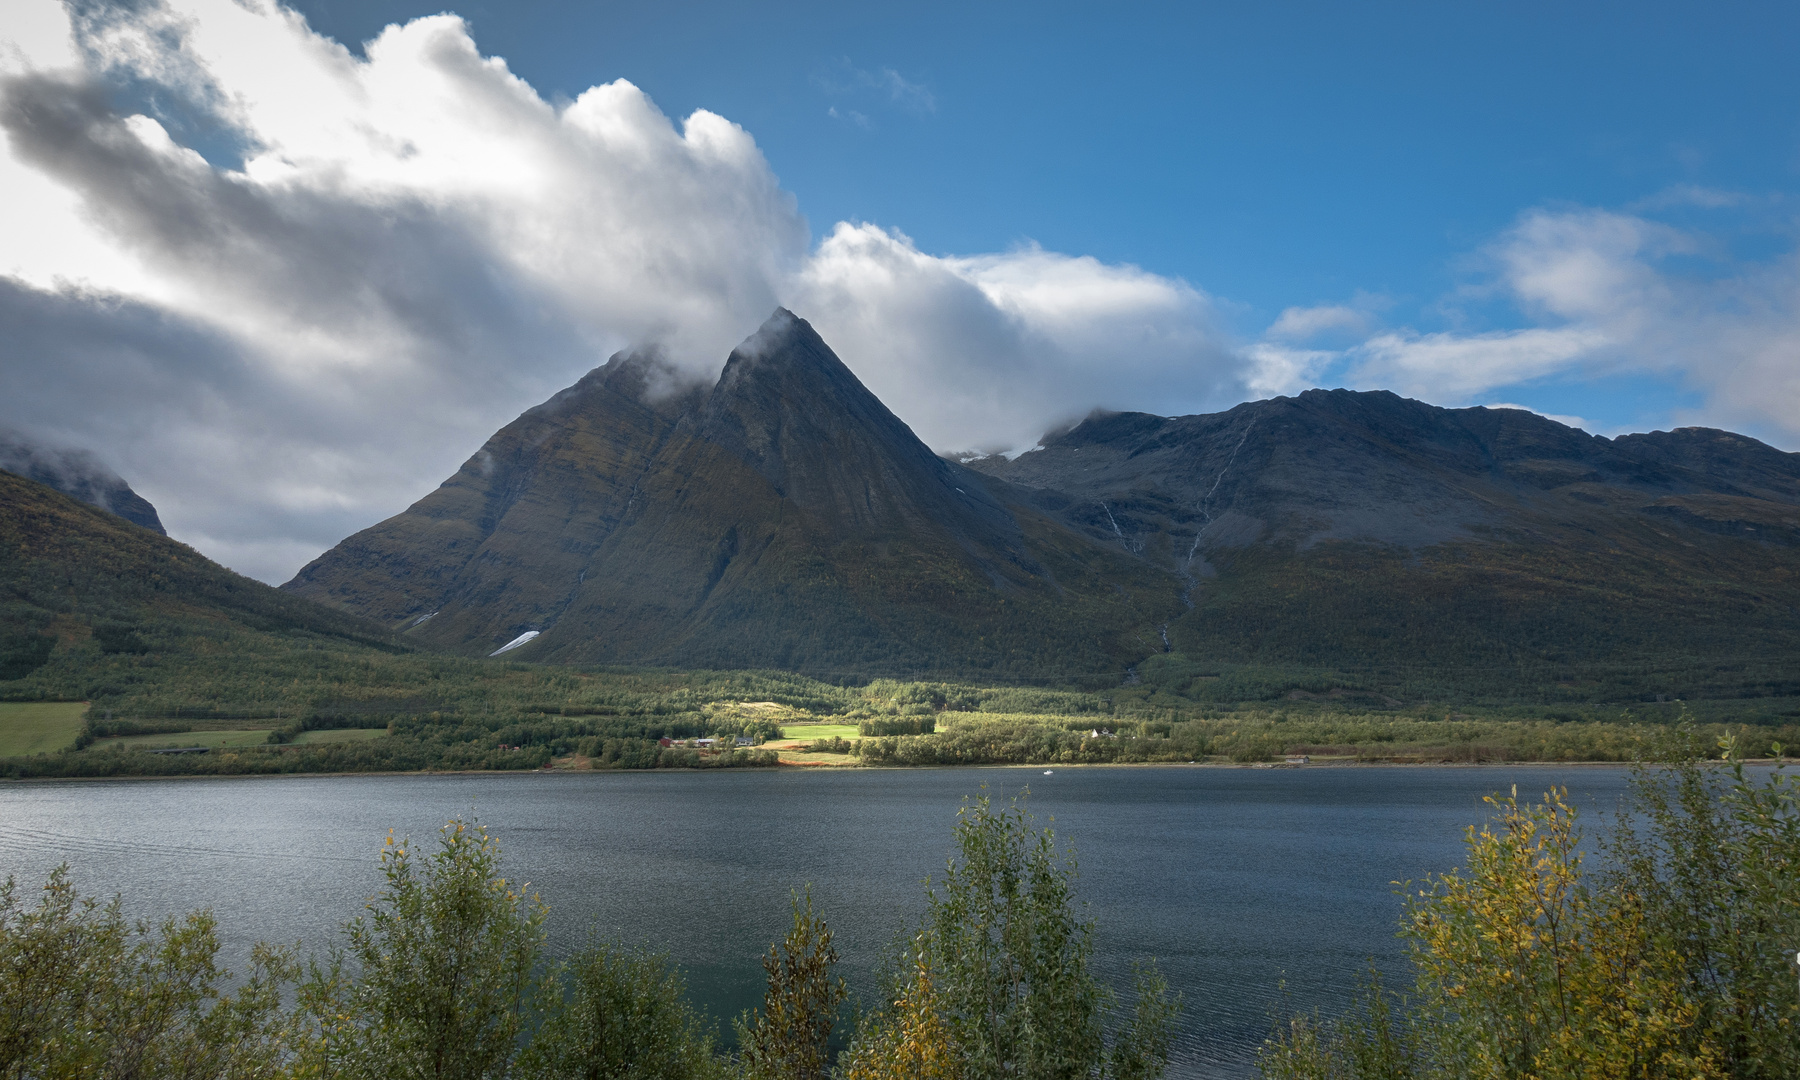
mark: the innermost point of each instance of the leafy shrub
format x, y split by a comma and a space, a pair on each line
85, 993
997, 982
1666, 963
439, 978
788, 1038
623, 1014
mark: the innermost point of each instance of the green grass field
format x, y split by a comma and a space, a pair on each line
251, 737
220, 739
819, 731
38, 727
309, 738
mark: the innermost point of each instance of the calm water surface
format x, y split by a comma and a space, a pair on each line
1236, 881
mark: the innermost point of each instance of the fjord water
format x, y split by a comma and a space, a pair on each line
1256, 890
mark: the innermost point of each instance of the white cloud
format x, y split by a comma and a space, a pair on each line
1453, 368
1611, 294
987, 352
416, 248
1300, 324
843, 78
380, 260
1570, 421
383, 259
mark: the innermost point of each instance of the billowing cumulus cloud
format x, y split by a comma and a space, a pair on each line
381, 259
284, 289
985, 353
411, 249
310, 283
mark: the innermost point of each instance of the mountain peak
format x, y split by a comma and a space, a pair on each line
796, 414
784, 518
786, 345
79, 475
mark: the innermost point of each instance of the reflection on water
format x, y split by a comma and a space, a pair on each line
1237, 881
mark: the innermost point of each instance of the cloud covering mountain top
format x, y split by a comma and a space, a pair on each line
286, 288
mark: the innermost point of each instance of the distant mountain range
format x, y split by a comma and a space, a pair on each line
1337, 541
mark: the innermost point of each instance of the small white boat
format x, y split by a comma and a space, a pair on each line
1049, 772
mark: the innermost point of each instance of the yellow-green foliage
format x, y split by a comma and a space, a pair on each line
85, 993
1530, 971
819, 731
1664, 962
39, 727
997, 982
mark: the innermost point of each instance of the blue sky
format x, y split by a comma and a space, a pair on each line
1001, 215
1274, 154
1281, 153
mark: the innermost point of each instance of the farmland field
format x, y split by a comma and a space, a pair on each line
308, 738
39, 727
819, 731
251, 737
232, 738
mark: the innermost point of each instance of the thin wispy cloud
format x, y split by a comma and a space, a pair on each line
844, 79
851, 115
1605, 294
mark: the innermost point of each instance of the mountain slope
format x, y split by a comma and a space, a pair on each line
1490, 550
782, 517
79, 585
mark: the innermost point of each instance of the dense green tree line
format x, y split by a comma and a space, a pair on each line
445, 976
530, 741
974, 739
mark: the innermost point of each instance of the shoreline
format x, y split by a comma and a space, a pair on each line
1049, 766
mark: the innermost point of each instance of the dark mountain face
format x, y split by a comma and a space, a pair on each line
783, 517
1374, 467
1362, 532
79, 475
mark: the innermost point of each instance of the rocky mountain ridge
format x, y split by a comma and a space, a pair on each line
1373, 467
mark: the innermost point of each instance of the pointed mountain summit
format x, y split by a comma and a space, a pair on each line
783, 517
789, 408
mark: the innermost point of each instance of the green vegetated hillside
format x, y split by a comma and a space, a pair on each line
90, 602
1328, 545
172, 651
1344, 576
